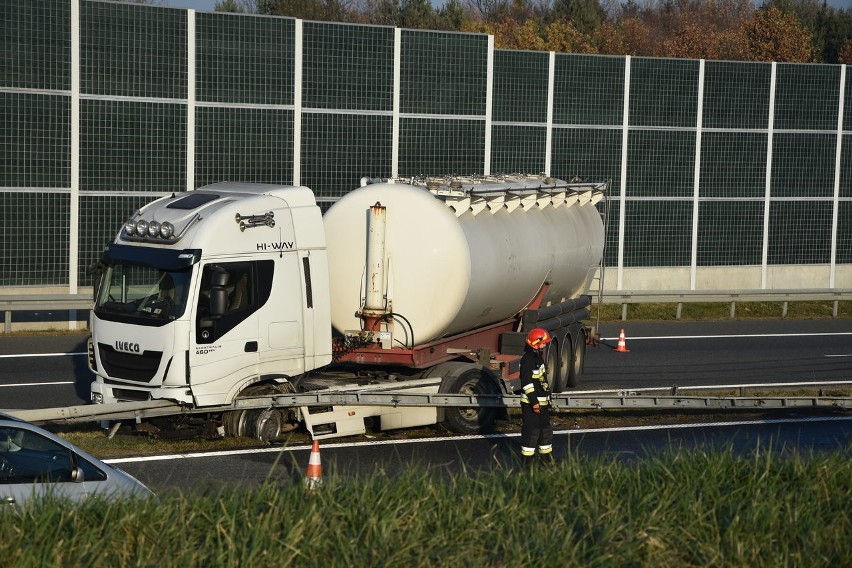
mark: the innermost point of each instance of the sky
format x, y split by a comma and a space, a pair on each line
207, 5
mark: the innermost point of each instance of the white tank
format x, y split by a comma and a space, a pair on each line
463, 254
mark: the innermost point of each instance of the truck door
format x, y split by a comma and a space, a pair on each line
282, 348
225, 336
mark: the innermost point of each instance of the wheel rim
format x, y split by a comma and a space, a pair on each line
471, 419
553, 368
578, 353
267, 425
470, 388
262, 424
564, 366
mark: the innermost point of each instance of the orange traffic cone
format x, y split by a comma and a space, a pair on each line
622, 344
313, 477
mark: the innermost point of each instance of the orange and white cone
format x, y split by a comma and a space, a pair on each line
622, 344
313, 477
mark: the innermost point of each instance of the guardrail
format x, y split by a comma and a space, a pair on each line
42, 303
58, 302
560, 401
679, 297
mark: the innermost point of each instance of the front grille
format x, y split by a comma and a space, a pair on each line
90, 349
129, 366
127, 394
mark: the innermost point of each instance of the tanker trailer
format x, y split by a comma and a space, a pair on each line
462, 268
237, 290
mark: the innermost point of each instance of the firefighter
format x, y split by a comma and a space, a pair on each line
536, 430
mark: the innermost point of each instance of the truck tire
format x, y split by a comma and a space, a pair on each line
264, 424
578, 360
557, 370
471, 379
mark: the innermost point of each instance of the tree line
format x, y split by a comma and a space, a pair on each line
804, 31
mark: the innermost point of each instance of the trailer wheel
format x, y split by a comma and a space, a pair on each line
557, 367
578, 359
264, 424
470, 379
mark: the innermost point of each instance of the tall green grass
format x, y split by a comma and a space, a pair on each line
677, 509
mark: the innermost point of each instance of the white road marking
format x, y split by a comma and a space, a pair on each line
38, 384
619, 429
22, 355
714, 387
747, 335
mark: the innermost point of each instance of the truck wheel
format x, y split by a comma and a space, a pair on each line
557, 370
577, 358
264, 424
471, 380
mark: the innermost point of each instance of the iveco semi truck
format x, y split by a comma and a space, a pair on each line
238, 289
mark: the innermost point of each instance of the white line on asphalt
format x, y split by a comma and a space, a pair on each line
618, 429
717, 387
746, 335
21, 355
38, 384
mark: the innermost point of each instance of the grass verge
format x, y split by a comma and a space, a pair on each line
677, 509
699, 311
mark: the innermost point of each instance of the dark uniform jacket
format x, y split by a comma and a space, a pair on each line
534, 387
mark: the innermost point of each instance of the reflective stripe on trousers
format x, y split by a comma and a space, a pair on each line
543, 450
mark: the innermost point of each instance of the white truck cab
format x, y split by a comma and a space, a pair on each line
206, 292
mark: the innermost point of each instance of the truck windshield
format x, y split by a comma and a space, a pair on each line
143, 292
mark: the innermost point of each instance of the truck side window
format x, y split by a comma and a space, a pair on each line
228, 295
239, 292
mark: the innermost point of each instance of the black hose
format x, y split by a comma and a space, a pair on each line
408, 323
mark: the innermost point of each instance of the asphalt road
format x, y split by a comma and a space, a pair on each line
445, 456
722, 353
44, 371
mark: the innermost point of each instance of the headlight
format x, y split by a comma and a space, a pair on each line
167, 230
150, 229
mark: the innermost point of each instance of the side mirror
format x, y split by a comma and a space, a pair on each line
96, 271
77, 475
218, 293
219, 277
218, 302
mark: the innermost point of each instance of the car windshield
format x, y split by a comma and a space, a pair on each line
144, 292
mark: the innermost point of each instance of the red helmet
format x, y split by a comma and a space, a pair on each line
538, 338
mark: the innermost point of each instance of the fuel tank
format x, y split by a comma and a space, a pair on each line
464, 253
